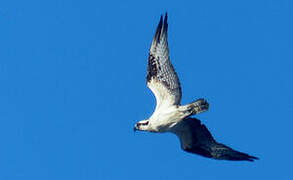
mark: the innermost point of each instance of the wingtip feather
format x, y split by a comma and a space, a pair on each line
166, 16
230, 154
161, 28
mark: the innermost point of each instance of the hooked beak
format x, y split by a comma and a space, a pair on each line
135, 128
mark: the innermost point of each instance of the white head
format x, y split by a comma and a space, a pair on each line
143, 125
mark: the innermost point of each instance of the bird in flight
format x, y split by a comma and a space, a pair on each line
170, 116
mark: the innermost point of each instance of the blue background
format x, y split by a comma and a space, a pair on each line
72, 85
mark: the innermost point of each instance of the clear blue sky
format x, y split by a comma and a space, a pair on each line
72, 85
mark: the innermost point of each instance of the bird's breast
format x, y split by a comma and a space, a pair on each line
164, 121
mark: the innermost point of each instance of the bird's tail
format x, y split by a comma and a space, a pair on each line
199, 106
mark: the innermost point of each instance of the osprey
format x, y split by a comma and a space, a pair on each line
169, 115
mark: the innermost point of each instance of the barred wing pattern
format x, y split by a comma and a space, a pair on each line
161, 76
196, 138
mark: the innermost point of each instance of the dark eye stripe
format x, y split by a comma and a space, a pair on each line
144, 124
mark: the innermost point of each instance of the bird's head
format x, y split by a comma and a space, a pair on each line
141, 125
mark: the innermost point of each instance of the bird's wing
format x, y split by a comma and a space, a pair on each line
196, 138
161, 76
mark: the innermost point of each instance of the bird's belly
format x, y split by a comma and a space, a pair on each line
164, 122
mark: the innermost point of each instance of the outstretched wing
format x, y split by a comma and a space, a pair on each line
161, 76
196, 138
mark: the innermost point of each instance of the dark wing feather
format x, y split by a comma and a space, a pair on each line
161, 76
196, 138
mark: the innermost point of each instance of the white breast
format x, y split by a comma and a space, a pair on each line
164, 119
